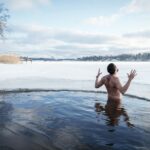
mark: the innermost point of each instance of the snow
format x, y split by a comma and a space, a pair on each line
70, 75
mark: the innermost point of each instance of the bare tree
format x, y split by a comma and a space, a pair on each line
3, 19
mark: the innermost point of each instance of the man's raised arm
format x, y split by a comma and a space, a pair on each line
124, 88
98, 83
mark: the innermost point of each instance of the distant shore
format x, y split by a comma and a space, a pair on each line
15, 59
123, 57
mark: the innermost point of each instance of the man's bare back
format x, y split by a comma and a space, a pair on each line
112, 82
111, 85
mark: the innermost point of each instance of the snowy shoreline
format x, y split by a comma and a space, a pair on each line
70, 75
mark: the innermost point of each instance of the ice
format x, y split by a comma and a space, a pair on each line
70, 75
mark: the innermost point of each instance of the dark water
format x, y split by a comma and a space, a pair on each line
72, 121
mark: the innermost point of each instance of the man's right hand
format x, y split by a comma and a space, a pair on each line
99, 73
132, 74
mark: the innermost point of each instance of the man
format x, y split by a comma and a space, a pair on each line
112, 83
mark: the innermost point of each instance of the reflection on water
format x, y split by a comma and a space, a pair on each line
113, 112
66, 121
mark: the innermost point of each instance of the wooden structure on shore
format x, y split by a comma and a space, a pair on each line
26, 59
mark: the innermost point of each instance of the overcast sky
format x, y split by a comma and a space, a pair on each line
75, 28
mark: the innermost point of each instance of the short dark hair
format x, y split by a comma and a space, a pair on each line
111, 68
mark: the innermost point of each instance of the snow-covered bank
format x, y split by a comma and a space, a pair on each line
70, 75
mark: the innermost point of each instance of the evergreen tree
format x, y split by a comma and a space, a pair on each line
3, 19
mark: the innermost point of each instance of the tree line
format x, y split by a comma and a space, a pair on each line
122, 57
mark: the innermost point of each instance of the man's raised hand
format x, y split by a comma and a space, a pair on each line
99, 73
132, 74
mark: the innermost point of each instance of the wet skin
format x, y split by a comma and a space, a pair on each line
113, 85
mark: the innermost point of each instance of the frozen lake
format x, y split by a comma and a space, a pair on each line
71, 76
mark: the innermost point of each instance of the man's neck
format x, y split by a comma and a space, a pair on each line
114, 75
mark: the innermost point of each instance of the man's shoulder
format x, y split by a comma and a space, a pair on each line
105, 78
108, 76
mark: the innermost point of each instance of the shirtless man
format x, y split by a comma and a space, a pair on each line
112, 83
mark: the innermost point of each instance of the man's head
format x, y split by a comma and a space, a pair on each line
111, 68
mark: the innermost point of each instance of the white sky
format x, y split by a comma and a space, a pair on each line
67, 28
